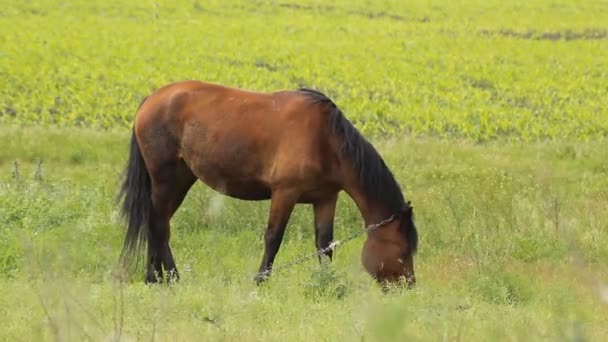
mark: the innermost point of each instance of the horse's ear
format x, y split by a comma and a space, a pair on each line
408, 208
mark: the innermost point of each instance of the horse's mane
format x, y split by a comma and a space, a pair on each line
376, 179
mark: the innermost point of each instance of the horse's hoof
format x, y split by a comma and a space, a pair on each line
172, 276
151, 281
153, 277
260, 278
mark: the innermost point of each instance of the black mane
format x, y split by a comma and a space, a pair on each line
376, 179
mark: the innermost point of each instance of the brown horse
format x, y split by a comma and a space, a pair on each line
288, 146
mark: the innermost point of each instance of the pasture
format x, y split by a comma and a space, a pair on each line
493, 117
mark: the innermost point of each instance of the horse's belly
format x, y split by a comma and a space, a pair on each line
225, 162
231, 178
248, 190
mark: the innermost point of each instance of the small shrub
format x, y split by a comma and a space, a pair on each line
327, 282
497, 286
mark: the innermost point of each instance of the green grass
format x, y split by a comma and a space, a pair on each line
492, 114
513, 246
476, 69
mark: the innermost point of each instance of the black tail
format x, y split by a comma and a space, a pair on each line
136, 190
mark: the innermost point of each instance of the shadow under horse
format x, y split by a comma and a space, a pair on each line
291, 146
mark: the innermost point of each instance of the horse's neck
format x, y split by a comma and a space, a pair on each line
372, 211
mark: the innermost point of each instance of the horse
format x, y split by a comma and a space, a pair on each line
289, 146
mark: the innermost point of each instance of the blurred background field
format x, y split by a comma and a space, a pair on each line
493, 116
474, 69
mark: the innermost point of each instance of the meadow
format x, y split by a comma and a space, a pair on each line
492, 115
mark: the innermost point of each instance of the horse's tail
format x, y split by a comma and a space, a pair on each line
137, 204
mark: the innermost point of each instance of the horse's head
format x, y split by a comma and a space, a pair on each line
388, 252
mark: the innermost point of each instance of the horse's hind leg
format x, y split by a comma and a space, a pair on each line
170, 184
324, 212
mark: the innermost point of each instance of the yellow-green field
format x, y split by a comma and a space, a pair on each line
475, 69
493, 116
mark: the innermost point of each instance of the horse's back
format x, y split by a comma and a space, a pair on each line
240, 142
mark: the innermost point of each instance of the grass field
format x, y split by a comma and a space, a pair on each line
474, 69
492, 115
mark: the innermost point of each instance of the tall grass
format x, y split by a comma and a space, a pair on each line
513, 246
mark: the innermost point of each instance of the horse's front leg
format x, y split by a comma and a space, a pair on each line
281, 207
324, 212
